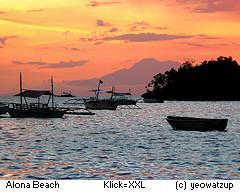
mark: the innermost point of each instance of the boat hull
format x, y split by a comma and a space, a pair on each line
100, 105
197, 124
126, 102
153, 100
2, 112
3, 109
36, 114
65, 96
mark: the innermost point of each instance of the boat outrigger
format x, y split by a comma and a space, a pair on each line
66, 94
37, 110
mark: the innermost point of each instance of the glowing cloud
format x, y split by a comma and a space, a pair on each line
101, 23
100, 3
35, 10
114, 29
211, 6
73, 49
143, 25
61, 64
143, 37
3, 40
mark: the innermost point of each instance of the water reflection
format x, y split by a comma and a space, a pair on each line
122, 144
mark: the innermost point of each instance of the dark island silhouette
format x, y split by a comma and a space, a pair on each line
213, 80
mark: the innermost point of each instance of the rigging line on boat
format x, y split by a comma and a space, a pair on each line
162, 120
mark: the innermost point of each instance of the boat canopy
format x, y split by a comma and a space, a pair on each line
121, 94
101, 91
33, 93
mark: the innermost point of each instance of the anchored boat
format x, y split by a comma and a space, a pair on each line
95, 103
197, 124
38, 109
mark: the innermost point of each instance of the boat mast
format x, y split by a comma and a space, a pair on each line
130, 93
98, 89
113, 90
21, 99
52, 92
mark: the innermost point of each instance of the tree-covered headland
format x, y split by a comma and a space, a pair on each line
213, 80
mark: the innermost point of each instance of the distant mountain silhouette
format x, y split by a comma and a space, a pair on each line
213, 80
135, 77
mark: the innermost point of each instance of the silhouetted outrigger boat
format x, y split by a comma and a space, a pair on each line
100, 104
95, 103
197, 124
37, 110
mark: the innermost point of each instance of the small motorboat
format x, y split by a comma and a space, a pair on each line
197, 124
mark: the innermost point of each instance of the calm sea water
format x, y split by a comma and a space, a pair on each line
122, 144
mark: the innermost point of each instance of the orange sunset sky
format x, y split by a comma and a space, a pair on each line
82, 39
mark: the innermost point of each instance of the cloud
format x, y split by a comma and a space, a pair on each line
140, 37
143, 25
101, 23
101, 3
139, 26
143, 37
31, 62
98, 43
72, 49
207, 37
45, 48
161, 28
66, 33
213, 45
83, 39
114, 29
61, 64
1, 12
195, 44
211, 6
35, 10
3, 40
